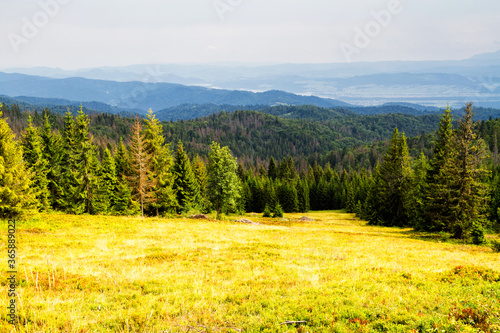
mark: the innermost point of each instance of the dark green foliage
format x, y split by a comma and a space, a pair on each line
477, 232
495, 245
223, 186
105, 194
37, 164
441, 189
471, 188
267, 211
287, 196
278, 211
303, 198
392, 180
185, 184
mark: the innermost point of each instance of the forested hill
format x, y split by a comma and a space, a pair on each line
254, 134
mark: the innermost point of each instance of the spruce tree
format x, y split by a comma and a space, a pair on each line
272, 171
417, 193
224, 186
303, 196
393, 182
200, 173
472, 199
441, 179
17, 197
37, 164
52, 152
107, 182
164, 198
140, 180
185, 184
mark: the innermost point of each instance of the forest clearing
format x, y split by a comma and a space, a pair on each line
333, 274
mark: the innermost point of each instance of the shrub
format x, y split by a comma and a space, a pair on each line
278, 211
477, 233
495, 245
267, 211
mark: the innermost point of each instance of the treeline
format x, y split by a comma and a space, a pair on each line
49, 170
254, 137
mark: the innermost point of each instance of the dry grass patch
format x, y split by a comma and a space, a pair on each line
333, 274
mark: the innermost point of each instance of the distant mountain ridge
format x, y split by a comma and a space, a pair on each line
429, 83
143, 96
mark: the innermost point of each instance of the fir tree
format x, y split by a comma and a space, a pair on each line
163, 198
185, 184
441, 180
107, 182
393, 182
140, 181
224, 187
52, 152
272, 171
472, 199
38, 166
303, 196
200, 173
16, 195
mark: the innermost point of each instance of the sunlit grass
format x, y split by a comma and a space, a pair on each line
119, 274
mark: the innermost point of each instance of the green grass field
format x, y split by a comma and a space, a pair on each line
336, 274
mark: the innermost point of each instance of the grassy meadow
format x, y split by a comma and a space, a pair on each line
335, 274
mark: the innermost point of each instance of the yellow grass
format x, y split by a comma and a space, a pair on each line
336, 274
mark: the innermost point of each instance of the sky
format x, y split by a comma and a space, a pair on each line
73, 34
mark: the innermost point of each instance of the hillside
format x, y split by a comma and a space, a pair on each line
334, 274
145, 95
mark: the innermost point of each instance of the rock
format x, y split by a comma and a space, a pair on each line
306, 219
198, 217
247, 221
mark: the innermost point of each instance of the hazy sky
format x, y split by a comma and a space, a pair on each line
91, 33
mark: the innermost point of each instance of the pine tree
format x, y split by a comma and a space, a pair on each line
38, 166
185, 183
85, 156
140, 181
16, 195
472, 199
392, 183
303, 196
224, 187
122, 161
52, 152
417, 193
272, 171
287, 196
107, 182
200, 173
441, 180
164, 198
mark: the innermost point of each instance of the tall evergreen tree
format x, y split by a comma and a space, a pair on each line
200, 173
164, 198
471, 187
185, 184
52, 152
140, 181
272, 170
107, 182
392, 182
224, 186
38, 165
16, 195
441, 180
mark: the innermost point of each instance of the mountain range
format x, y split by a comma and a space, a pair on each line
428, 83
